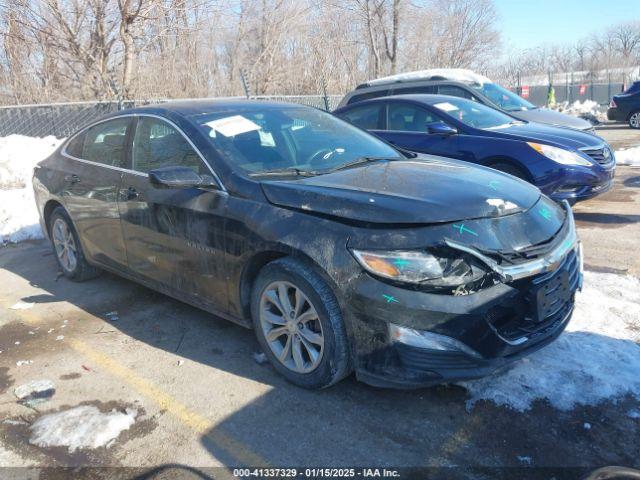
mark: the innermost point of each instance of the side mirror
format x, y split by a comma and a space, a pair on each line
441, 128
179, 177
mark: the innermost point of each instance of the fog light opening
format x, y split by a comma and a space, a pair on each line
428, 340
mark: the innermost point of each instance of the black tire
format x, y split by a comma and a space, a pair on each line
634, 120
510, 169
82, 270
335, 363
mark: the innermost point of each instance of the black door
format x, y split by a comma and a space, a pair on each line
174, 236
93, 171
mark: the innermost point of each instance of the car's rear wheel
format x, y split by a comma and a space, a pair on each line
299, 325
510, 169
67, 248
634, 119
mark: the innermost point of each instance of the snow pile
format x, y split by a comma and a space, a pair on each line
589, 110
80, 427
629, 156
454, 74
18, 213
595, 359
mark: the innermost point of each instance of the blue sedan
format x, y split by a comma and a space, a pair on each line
563, 163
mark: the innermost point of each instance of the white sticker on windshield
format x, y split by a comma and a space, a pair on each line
266, 139
446, 107
232, 126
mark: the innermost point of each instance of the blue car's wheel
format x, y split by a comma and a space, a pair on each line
510, 169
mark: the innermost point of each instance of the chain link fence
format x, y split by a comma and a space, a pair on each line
601, 93
577, 86
63, 119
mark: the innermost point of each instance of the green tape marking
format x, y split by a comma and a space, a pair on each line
390, 299
401, 263
463, 229
495, 184
545, 213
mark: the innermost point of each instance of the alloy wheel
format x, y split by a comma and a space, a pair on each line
291, 327
634, 121
65, 245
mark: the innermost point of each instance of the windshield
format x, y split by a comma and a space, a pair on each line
475, 114
290, 139
504, 98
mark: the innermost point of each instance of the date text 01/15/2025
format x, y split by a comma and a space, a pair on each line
315, 473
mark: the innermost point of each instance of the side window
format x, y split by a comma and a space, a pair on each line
157, 144
365, 116
103, 143
74, 147
368, 96
409, 90
455, 91
409, 118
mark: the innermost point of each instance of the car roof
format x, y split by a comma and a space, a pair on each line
424, 98
191, 108
459, 75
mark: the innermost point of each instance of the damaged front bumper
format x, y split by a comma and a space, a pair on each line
416, 338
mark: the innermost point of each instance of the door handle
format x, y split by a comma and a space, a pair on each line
72, 178
132, 193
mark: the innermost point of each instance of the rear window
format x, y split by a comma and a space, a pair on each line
74, 148
103, 143
455, 91
368, 117
427, 89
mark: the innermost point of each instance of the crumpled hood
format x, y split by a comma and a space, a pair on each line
424, 190
551, 117
563, 137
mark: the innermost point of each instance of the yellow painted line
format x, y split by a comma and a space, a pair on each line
190, 419
461, 437
194, 421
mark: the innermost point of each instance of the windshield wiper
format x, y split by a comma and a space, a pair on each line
404, 151
290, 171
356, 162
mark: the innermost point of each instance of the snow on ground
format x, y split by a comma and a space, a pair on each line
629, 156
80, 427
18, 214
597, 358
589, 110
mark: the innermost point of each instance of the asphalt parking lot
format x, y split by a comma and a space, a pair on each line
203, 401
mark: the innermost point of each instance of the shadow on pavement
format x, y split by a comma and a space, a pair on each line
611, 219
632, 182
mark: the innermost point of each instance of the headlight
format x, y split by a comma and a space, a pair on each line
420, 267
560, 155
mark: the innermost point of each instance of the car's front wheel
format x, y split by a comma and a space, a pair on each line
67, 248
634, 119
510, 169
299, 325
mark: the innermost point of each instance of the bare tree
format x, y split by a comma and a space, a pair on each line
626, 40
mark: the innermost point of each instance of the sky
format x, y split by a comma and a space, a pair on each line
528, 23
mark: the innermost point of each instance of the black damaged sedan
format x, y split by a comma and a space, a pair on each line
341, 252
